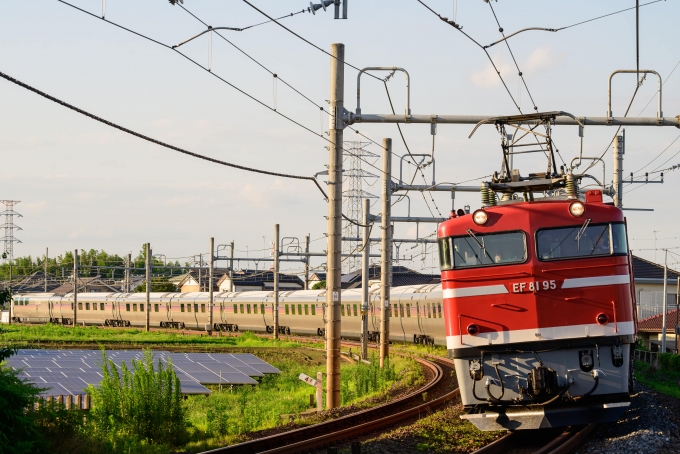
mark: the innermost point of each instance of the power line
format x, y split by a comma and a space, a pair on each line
158, 142
213, 74
662, 84
607, 15
659, 155
271, 19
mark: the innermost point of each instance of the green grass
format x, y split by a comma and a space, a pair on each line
665, 380
228, 416
37, 336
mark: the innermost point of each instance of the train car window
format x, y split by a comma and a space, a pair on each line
73, 306
355, 310
286, 309
235, 309
342, 309
401, 310
101, 306
202, 307
241, 308
306, 309
80, 306
181, 307
141, 307
408, 310
134, 308
87, 306
195, 307
299, 309
188, 307
127, 307
254, 308
292, 309
313, 309
439, 310
262, 309
155, 307
581, 241
248, 308
475, 250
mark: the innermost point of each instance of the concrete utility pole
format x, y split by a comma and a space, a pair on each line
276, 281
386, 245
617, 180
47, 250
231, 266
75, 287
333, 258
127, 273
210, 284
307, 263
148, 285
364, 279
665, 302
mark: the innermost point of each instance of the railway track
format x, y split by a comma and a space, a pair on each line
346, 428
540, 441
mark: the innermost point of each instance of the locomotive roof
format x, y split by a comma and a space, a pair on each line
530, 216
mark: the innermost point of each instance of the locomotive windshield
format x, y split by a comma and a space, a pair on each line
581, 241
475, 250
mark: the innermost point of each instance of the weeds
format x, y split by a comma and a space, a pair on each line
664, 380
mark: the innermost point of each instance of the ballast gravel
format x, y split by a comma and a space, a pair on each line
649, 426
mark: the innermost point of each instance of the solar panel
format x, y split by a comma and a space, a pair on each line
70, 371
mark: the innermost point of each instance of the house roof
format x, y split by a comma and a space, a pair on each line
644, 269
84, 282
655, 322
36, 283
400, 276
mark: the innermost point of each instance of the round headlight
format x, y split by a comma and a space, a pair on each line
480, 217
577, 208
602, 319
473, 329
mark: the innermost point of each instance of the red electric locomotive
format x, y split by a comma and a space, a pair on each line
539, 309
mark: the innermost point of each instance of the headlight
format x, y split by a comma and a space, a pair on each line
473, 329
577, 208
480, 217
602, 319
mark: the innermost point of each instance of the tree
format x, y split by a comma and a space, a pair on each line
319, 285
156, 287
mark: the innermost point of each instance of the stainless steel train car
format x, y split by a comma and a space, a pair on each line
416, 311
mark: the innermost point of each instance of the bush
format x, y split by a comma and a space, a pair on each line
18, 429
143, 404
669, 362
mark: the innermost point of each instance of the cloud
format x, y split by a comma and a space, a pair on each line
540, 59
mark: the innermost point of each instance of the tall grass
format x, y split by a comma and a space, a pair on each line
145, 402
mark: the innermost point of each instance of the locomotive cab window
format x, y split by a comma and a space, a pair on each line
475, 250
581, 241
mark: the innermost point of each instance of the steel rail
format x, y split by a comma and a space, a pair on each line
324, 434
562, 444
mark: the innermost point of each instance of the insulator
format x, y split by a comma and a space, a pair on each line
571, 187
492, 198
485, 194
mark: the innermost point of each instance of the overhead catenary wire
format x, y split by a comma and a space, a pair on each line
554, 30
214, 75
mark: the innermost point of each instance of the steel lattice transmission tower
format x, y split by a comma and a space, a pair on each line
9, 227
354, 152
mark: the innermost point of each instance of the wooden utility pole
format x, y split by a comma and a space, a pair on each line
210, 285
386, 245
334, 259
75, 287
148, 285
276, 281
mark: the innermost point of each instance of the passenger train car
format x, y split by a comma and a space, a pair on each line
417, 313
539, 311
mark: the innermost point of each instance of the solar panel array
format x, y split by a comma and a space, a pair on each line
63, 372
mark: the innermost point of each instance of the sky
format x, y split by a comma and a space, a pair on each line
85, 185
